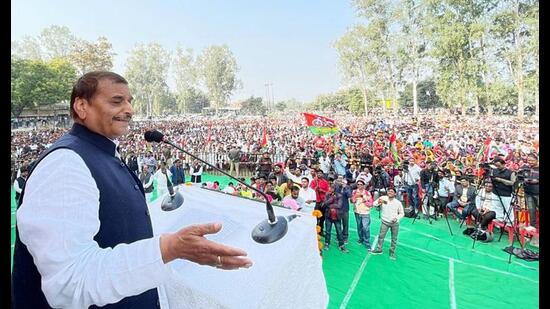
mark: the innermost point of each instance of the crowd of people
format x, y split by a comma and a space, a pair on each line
433, 165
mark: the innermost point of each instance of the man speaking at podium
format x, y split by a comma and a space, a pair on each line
84, 236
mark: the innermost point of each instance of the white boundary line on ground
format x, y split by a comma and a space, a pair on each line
461, 247
358, 274
469, 264
458, 246
452, 283
462, 262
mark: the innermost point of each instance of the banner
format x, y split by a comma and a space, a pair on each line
320, 125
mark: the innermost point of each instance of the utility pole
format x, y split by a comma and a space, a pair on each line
272, 106
267, 96
269, 99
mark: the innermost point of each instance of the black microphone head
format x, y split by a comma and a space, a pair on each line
154, 136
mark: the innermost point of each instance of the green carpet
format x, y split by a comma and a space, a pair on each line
433, 269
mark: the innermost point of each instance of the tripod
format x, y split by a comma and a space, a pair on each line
430, 185
507, 217
444, 212
376, 179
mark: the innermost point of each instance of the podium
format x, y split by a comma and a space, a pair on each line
286, 274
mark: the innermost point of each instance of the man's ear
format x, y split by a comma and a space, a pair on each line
80, 108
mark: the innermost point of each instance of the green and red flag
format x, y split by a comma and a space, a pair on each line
393, 149
320, 125
484, 151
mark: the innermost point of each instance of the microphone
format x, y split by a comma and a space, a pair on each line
173, 200
269, 230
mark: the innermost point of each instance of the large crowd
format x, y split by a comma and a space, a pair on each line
437, 157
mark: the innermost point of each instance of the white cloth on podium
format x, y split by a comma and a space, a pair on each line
286, 274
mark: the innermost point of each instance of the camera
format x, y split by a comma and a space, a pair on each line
523, 173
487, 169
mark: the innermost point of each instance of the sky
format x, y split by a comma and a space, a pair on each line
288, 44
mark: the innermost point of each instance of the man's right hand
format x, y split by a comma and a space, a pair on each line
189, 243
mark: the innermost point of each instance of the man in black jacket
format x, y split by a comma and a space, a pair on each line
503, 186
531, 188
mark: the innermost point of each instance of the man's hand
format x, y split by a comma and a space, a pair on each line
189, 243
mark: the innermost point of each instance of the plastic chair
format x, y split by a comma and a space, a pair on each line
524, 232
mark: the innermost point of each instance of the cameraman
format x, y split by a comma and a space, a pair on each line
411, 175
503, 185
530, 173
428, 179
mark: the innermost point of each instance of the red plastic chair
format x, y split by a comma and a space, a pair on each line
523, 232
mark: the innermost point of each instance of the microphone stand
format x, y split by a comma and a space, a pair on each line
267, 231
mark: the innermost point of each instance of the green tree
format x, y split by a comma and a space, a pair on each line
186, 78
146, 72
35, 83
253, 106
356, 63
217, 72
89, 56
280, 106
427, 95
411, 43
515, 26
381, 19
197, 100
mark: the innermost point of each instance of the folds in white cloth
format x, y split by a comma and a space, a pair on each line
285, 274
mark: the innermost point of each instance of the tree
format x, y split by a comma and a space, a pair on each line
217, 72
146, 72
514, 30
36, 83
280, 106
56, 42
380, 15
411, 16
186, 78
27, 48
253, 106
89, 56
197, 100
451, 29
355, 62
427, 95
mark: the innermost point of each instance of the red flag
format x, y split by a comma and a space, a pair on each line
263, 142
